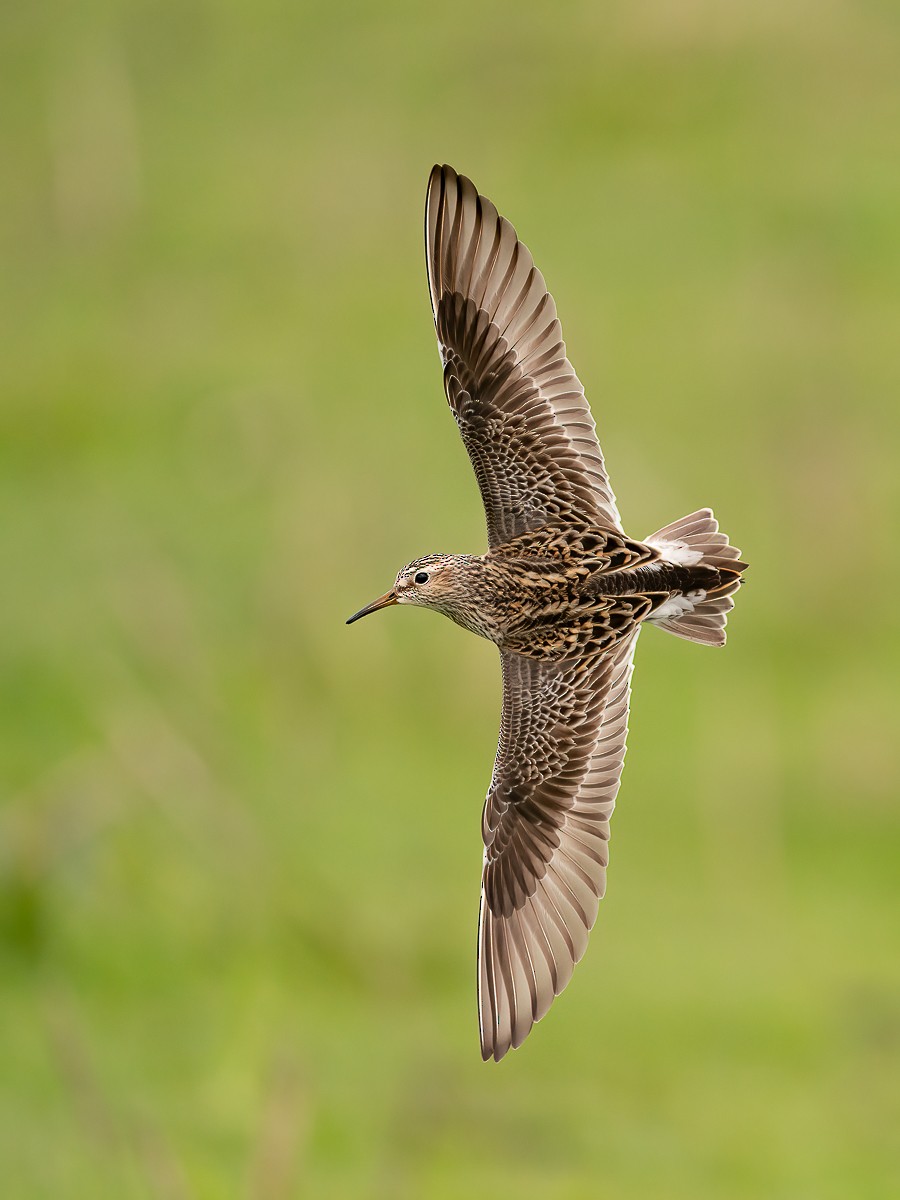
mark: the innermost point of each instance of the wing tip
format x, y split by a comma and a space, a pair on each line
493, 1050
444, 174
435, 174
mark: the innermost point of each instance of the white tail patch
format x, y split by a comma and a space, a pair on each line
678, 606
679, 554
693, 540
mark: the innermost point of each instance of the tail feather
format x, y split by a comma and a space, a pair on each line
695, 540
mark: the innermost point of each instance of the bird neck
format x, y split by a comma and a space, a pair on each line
471, 600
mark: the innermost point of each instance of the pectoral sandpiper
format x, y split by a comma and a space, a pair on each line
562, 591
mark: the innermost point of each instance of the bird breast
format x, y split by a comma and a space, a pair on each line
508, 598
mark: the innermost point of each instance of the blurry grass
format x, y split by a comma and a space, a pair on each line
239, 847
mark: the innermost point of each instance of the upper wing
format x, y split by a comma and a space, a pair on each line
545, 828
520, 407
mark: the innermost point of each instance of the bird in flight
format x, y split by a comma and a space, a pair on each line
562, 591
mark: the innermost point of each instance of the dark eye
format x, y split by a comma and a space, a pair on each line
421, 577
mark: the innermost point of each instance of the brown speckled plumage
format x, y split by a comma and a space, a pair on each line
562, 591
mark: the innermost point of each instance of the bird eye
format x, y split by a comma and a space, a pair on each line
421, 577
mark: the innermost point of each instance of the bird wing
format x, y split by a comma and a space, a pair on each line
545, 829
520, 407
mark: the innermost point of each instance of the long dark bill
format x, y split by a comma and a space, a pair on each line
384, 601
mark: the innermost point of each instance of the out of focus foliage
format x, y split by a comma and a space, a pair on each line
239, 843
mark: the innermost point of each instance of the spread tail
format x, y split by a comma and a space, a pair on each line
695, 541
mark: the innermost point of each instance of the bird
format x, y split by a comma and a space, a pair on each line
562, 591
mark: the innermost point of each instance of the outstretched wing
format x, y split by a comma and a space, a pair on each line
545, 828
520, 407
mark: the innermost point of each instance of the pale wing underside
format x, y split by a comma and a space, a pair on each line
520, 407
546, 828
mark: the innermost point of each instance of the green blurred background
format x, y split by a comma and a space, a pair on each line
239, 843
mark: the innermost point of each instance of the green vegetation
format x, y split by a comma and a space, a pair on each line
239, 843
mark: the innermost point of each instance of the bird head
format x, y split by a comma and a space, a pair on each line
429, 582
